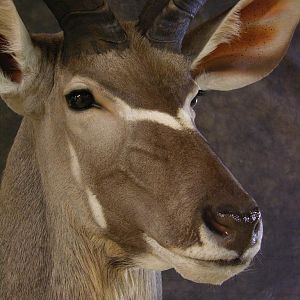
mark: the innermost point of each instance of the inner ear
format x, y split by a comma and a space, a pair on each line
8, 64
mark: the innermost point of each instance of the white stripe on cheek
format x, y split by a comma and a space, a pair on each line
75, 167
96, 209
94, 204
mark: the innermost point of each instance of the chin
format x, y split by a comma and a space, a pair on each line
209, 272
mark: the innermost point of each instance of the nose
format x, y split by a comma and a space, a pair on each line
238, 230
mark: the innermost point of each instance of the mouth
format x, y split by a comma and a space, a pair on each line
214, 271
222, 262
218, 263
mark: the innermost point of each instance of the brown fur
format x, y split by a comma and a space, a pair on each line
81, 269
150, 179
72, 261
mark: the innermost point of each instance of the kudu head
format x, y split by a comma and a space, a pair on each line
111, 107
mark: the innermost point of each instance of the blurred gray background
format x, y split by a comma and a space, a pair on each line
256, 132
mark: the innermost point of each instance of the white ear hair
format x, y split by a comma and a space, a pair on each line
244, 44
16, 43
228, 29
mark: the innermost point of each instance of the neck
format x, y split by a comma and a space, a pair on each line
43, 253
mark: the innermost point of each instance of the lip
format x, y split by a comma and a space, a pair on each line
208, 271
220, 262
216, 262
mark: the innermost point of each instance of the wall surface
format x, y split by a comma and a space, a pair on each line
256, 131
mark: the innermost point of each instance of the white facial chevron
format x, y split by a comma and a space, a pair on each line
180, 122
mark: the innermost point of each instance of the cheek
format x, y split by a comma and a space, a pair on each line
98, 135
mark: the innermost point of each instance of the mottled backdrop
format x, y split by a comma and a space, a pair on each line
256, 131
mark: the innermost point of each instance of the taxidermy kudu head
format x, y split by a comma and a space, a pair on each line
109, 180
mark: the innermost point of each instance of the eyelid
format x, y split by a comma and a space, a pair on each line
77, 87
89, 84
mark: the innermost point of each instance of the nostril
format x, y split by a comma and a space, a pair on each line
239, 229
231, 217
212, 223
227, 221
253, 216
256, 227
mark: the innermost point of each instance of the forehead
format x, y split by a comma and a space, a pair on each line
140, 75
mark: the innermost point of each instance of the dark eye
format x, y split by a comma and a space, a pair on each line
81, 99
196, 98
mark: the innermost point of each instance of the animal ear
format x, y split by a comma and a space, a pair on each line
243, 45
18, 57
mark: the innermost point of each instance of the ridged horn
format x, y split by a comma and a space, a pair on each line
168, 27
89, 26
